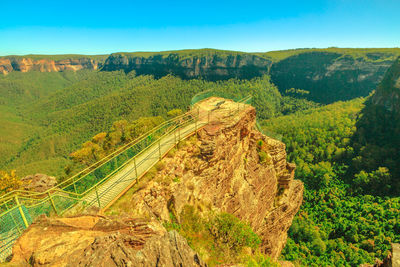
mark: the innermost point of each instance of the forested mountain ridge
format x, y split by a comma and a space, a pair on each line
51, 114
328, 75
208, 64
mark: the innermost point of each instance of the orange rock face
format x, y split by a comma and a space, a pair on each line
221, 170
101, 241
45, 65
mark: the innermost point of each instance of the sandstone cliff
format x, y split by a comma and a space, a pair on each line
331, 76
25, 64
94, 240
210, 65
328, 75
225, 170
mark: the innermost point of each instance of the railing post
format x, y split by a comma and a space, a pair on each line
76, 192
15, 222
175, 138
52, 203
159, 150
134, 162
97, 195
21, 212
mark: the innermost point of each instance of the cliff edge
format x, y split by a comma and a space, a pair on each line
229, 167
25, 64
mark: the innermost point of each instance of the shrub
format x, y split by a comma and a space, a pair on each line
264, 157
191, 220
261, 261
174, 113
260, 144
229, 230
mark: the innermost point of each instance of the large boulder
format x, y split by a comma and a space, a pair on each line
38, 182
94, 240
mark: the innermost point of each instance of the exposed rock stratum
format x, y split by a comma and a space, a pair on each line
221, 171
94, 240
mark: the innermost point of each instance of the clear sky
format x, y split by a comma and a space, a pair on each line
102, 27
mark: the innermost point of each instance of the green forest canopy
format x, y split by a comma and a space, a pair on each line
336, 225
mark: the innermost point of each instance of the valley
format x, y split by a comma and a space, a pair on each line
336, 111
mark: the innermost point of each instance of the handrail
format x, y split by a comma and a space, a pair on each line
55, 189
92, 167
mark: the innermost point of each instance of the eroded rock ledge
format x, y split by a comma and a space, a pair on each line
94, 240
22, 64
222, 171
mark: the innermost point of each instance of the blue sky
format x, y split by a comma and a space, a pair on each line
101, 27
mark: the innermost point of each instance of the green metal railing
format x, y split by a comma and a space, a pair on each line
99, 184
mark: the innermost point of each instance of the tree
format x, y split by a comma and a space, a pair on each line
9, 181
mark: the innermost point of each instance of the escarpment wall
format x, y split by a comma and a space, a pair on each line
22, 64
210, 67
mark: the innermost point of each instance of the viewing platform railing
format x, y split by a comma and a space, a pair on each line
101, 183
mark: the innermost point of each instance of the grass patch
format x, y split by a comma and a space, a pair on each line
263, 156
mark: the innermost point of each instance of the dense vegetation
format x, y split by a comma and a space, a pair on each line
336, 225
46, 121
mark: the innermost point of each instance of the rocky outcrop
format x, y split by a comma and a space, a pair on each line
222, 170
210, 66
38, 182
93, 240
25, 64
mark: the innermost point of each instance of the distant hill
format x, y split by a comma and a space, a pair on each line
329, 74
